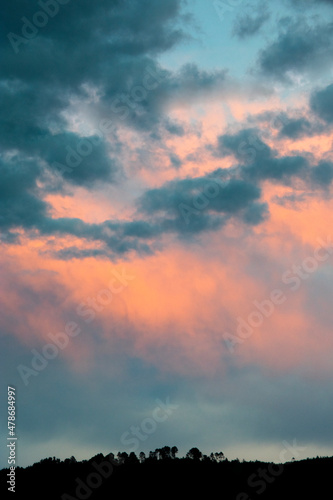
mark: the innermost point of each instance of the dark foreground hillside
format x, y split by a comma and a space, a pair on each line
103, 477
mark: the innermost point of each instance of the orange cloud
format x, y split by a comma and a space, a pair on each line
176, 309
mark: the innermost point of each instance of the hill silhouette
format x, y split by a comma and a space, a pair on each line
162, 472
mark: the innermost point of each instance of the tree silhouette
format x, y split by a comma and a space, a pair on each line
194, 454
217, 456
122, 457
165, 452
153, 455
132, 459
196, 474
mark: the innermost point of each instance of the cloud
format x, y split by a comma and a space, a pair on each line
20, 205
247, 25
298, 48
294, 128
175, 161
175, 129
49, 72
165, 210
207, 201
244, 145
80, 160
301, 3
321, 103
181, 87
206, 214
279, 169
50, 69
258, 162
322, 174
108, 24
55, 74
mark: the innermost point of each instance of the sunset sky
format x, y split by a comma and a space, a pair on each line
166, 180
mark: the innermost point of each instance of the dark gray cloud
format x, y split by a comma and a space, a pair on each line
110, 23
321, 103
111, 239
294, 124
82, 160
20, 205
40, 76
119, 41
244, 145
299, 47
322, 174
281, 169
258, 162
28, 117
204, 203
294, 128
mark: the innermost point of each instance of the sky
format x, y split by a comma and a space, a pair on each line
166, 254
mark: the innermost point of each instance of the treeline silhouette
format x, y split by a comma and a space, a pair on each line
162, 472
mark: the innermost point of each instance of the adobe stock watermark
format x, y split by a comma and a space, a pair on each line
95, 479
31, 27
121, 105
87, 311
293, 278
148, 425
262, 478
